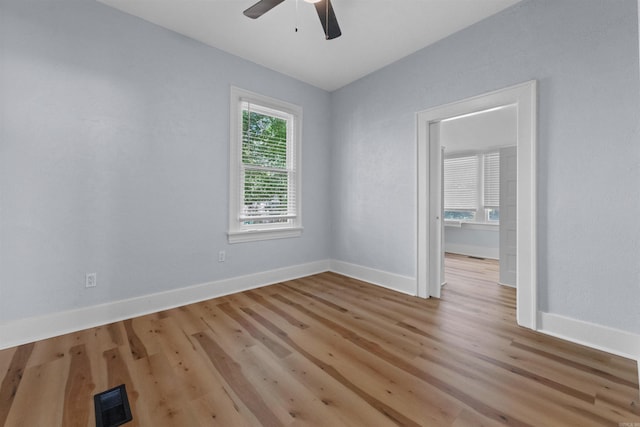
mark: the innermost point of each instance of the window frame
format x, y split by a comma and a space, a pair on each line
239, 232
481, 213
486, 206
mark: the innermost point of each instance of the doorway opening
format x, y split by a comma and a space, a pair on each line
480, 188
430, 254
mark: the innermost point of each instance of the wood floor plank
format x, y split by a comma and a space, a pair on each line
42, 387
13, 376
96, 341
577, 365
6, 358
458, 393
280, 312
362, 324
232, 372
349, 404
216, 409
276, 348
364, 319
560, 402
225, 329
321, 354
190, 318
468, 418
117, 363
503, 356
160, 394
288, 398
326, 350
78, 394
184, 359
50, 350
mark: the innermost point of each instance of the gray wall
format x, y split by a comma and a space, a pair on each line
469, 240
584, 53
114, 159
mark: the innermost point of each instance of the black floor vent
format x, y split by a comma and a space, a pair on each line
112, 407
476, 257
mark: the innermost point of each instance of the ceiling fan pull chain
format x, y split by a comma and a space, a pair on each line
327, 16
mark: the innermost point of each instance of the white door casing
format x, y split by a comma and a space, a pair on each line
442, 278
436, 263
524, 97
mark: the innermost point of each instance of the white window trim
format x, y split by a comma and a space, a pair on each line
489, 226
237, 234
480, 220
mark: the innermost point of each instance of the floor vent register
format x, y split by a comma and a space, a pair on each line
112, 407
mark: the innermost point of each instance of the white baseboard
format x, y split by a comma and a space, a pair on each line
470, 250
31, 329
507, 285
396, 282
22, 331
615, 341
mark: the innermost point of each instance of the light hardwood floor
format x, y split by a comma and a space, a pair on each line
326, 350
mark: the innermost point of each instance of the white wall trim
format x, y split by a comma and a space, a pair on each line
396, 282
31, 329
507, 285
22, 331
615, 341
472, 250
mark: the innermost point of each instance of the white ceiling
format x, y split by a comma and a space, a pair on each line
375, 33
480, 131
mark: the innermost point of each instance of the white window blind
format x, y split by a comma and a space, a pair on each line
492, 180
268, 181
264, 169
461, 183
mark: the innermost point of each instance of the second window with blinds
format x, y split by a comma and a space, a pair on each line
472, 187
264, 168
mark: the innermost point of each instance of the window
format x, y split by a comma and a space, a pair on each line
491, 186
461, 188
472, 188
265, 168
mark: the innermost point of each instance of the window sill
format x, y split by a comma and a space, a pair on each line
472, 225
267, 234
450, 223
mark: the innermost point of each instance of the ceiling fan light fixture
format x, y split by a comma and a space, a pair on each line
312, 1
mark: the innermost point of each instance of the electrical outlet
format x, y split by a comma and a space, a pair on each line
222, 256
90, 280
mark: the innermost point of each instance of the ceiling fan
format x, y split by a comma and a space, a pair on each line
323, 7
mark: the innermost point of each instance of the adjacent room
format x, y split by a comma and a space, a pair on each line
479, 188
320, 213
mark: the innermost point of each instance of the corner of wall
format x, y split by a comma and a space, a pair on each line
406, 285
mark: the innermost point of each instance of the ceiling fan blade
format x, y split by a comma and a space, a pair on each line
328, 19
260, 8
